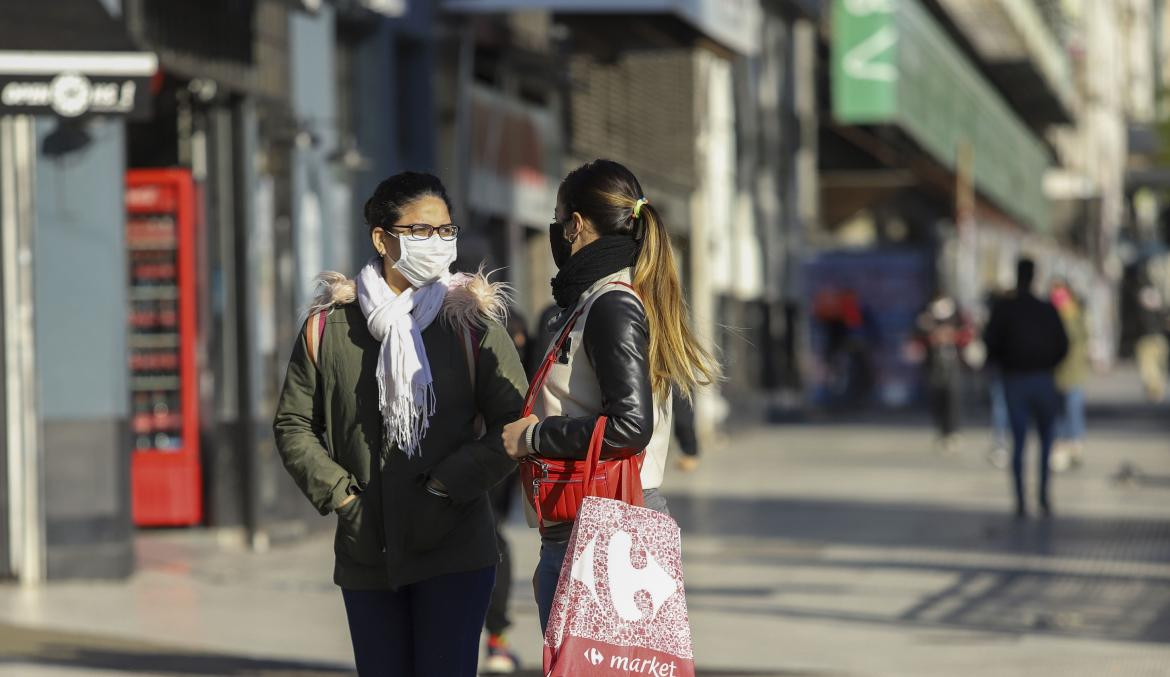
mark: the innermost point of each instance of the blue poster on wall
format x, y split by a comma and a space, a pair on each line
862, 308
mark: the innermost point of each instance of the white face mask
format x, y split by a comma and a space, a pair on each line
424, 261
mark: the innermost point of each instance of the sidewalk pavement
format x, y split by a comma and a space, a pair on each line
811, 549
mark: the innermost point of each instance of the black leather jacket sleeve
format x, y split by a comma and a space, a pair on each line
617, 342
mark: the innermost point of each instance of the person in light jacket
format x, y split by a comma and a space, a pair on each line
1071, 376
630, 345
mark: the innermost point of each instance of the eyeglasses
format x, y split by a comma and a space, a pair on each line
424, 231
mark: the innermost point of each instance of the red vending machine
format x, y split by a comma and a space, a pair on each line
160, 235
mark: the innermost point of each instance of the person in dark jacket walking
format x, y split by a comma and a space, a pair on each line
500, 659
1026, 340
631, 343
391, 416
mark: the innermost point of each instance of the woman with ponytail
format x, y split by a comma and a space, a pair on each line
630, 344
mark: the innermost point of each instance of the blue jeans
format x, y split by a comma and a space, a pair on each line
1031, 396
552, 557
1070, 425
427, 629
1000, 426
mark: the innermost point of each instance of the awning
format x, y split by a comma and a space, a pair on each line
893, 65
732, 23
388, 8
70, 58
1022, 55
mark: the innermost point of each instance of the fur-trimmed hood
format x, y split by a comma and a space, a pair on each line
471, 301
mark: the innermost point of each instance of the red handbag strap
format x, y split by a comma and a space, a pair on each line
596, 442
537, 383
314, 334
594, 457
549, 359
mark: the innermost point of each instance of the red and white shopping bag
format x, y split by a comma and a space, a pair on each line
620, 607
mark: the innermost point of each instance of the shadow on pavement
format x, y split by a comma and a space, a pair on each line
50, 648
889, 524
1134, 418
75, 651
1003, 603
1086, 600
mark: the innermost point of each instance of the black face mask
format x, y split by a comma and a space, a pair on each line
561, 248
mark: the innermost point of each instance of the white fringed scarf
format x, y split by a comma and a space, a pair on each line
406, 390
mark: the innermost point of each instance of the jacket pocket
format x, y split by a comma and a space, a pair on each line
431, 521
359, 535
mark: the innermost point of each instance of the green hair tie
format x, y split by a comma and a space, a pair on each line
638, 206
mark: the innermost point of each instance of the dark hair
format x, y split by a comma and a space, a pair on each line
395, 193
606, 193
1025, 273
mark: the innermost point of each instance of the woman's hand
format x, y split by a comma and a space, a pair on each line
513, 436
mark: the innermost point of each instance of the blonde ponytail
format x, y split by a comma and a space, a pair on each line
610, 197
676, 358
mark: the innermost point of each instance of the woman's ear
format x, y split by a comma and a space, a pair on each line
378, 238
385, 244
577, 224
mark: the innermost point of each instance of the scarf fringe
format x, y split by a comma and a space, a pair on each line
407, 426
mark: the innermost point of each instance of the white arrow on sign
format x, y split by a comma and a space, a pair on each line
859, 62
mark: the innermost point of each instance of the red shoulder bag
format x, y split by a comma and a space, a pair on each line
555, 487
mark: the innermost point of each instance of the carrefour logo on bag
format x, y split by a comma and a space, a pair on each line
624, 579
648, 666
594, 656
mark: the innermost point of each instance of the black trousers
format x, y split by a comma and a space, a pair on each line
502, 496
428, 629
944, 408
684, 423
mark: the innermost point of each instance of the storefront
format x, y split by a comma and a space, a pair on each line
927, 171
69, 78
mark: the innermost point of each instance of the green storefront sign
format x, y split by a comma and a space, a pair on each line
893, 65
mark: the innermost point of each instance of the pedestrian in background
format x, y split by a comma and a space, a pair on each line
377, 422
500, 659
999, 455
1026, 340
944, 335
544, 334
1151, 348
631, 344
1071, 375
848, 339
684, 430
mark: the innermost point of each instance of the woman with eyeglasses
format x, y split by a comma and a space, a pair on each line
629, 345
391, 417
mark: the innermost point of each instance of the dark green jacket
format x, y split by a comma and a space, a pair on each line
329, 433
